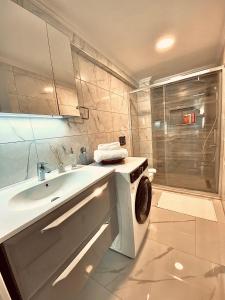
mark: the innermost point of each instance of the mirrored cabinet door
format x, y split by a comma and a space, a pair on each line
26, 78
63, 71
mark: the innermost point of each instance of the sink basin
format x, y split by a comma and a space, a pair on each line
52, 190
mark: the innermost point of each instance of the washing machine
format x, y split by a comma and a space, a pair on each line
134, 196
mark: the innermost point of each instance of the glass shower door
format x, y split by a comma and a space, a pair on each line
187, 151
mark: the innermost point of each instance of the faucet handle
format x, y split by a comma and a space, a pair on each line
41, 164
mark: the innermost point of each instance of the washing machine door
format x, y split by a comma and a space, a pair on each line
143, 200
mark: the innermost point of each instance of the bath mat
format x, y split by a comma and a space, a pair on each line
189, 205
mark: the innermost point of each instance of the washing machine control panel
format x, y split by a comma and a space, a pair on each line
138, 171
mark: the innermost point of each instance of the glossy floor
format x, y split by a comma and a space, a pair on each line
183, 258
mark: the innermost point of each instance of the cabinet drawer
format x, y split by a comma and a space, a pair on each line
38, 251
68, 281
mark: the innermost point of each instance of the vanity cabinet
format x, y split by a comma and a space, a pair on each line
36, 67
53, 258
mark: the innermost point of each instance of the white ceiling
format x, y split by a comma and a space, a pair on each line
126, 31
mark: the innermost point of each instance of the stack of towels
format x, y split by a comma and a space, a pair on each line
111, 151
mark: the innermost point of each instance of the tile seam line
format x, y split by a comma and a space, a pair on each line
196, 256
106, 288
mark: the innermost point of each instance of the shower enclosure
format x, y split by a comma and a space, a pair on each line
186, 132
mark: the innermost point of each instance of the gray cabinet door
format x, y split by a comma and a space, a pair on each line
36, 253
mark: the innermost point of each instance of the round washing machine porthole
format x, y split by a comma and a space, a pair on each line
143, 200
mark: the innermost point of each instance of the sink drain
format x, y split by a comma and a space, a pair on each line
55, 198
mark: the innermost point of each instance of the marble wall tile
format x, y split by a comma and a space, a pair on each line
142, 96
116, 86
133, 106
136, 149
120, 122
145, 134
145, 146
57, 127
103, 101
127, 135
99, 121
102, 78
8, 92
119, 104
18, 162
15, 130
75, 126
99, 138
76, 68
135, 135
87, 70
45, 149
134, 122
10, 103
144, 108
89, 94
95, 97
135, 142
144, 121
7, 82
79, 91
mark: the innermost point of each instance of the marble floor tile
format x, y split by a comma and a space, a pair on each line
179, 235
174, 229
159, 215
198, 273
93, 290
219, 211
132, 279
176, 290
210, 240
160, 272
167, 267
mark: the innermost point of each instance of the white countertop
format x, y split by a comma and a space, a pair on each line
127, 166
13, 221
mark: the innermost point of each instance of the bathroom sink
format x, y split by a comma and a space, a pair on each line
53, 189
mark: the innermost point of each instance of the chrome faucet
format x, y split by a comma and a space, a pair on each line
42, 170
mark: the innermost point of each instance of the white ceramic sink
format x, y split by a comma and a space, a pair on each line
52, 190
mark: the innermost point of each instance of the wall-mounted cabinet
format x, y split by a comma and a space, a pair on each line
63, 72
36, 69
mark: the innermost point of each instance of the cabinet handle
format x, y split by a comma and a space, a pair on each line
97, 192
81, 254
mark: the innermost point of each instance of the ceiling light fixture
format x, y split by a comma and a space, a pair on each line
165, 43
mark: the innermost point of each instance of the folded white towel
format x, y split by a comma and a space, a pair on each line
109, 146
100, 155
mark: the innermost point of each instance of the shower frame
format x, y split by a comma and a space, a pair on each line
221, 122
